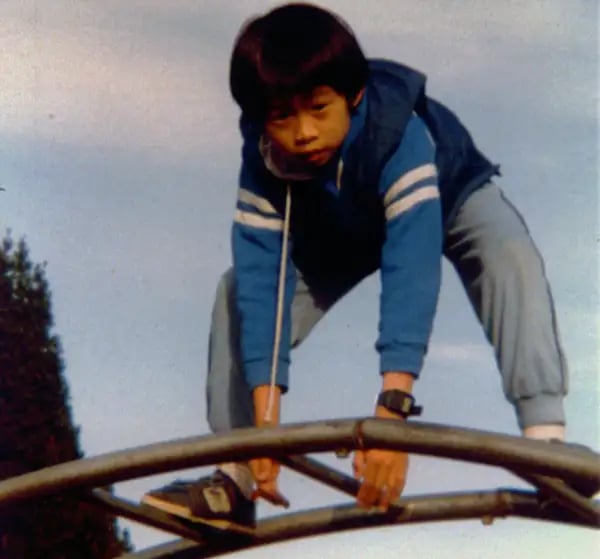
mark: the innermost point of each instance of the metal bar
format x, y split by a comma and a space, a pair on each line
459, 506
320, 472
556, 489
177, 549
566, 496
563, 461
452, 506
142, 514
559, 460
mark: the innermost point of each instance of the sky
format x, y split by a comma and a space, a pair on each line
119, 154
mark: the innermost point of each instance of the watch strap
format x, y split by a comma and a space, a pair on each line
399, 402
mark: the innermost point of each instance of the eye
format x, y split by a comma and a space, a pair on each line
278, 114
318, 107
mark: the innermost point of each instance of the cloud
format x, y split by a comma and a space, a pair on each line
474, 354
154, 75
148, 79
96, 86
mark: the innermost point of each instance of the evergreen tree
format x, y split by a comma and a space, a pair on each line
36, 428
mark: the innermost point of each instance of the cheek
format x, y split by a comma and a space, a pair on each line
342, 128
277, 134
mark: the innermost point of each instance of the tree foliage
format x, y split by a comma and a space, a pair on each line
36, 428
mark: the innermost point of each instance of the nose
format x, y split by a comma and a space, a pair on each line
306, 130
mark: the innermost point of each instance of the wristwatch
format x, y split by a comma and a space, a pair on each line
399, 402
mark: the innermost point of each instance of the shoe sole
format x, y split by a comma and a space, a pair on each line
183, 512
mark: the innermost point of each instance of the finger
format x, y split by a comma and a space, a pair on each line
269, 489
259, 469
398, 476
358, 464
367, 494
395, 484
272, 495
274, 469
397, 481
266, 472
264, 469
382, 481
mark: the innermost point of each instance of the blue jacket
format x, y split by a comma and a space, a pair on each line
380, 205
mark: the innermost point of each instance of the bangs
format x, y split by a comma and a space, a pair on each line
291, 51
297, 67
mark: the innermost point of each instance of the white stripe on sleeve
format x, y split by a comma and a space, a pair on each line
410, 201
258, 221
409, 179
261, 204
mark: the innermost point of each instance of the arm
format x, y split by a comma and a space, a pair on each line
410, 277
411, 257
256, 247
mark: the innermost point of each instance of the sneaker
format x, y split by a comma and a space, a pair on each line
214, 500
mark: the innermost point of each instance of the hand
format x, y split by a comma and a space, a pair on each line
266, 472
382, 474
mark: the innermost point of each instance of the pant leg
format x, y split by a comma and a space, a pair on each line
503, 274
229, 401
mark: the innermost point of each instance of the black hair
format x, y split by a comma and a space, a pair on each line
291, 50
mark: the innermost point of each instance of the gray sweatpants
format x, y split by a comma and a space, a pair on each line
503, 274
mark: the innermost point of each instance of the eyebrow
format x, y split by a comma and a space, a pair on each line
320, 92
283, 103
278, 103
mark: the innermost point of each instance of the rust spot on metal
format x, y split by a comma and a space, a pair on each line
487, 520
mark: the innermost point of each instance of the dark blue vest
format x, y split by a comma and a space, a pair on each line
394, 92
339, 238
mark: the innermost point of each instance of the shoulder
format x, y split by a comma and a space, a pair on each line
253, 174
416, 132
416, 150
384, 69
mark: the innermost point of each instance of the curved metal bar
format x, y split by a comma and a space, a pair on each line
320, 472
459, 506
142, 514
568, 462
554, 488
567, 497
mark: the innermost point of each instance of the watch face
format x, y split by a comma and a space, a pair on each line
406, 405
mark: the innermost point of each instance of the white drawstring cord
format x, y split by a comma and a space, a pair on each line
280, 302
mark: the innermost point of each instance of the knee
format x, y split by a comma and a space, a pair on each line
225, 290
225, 284
513, 258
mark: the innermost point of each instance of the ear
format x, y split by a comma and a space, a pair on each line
357, 99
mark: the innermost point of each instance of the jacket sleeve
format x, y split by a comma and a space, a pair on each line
257, 233
412, 251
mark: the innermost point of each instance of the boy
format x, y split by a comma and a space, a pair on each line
347, 167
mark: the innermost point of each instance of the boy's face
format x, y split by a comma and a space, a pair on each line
310, 126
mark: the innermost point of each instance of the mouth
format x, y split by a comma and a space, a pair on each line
316, 156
